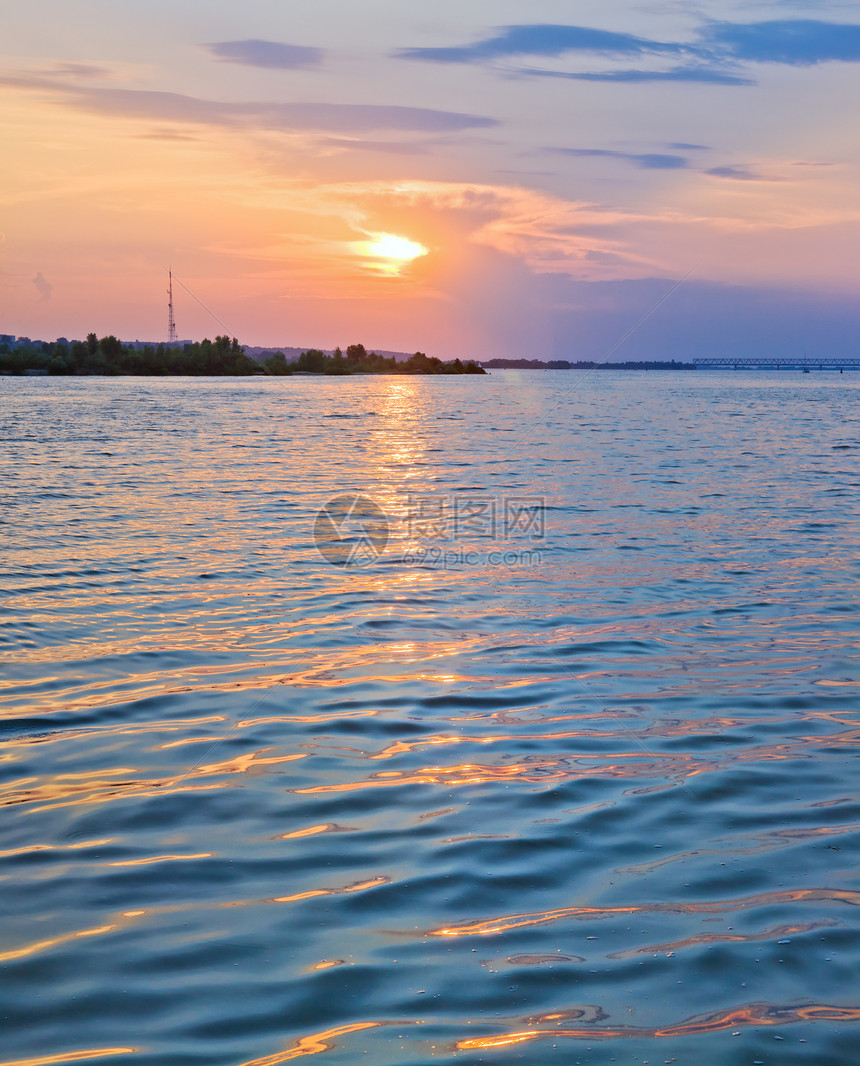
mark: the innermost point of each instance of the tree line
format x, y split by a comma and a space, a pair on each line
222, 357
357, 360
109, 356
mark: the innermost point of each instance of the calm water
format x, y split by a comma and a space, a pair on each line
584, 798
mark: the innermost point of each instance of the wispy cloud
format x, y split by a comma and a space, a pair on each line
352, 144
169, 135
43, 287
715, 56
665, 161
80, 70
272, 55
302, 116
645, 160
796, 42
544, 232
543, 40
740, 173
703, 75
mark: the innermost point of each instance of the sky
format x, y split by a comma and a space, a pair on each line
551, 171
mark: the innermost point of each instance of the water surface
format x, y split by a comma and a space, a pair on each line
493, 796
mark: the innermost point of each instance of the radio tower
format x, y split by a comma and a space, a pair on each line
171, 321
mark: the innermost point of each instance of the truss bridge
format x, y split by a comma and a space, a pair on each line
739, 362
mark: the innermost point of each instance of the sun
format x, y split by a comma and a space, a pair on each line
387, 246
386, 254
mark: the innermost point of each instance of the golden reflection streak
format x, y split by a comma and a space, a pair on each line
159, 858
334, 716
67, 791
720, 938
670, 728
174, 726
190, 740
56, 847
403, 747
519, 921
677, 766
325, 671
667, 730
72, 1056
310, 1045
313, 830
749, 1014
159, 788
124, 918
358, 886
537, 771
56, 941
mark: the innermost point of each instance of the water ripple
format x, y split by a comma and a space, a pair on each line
257, 807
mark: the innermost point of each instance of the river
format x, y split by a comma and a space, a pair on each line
537, 745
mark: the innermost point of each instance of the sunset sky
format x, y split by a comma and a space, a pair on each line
549, 171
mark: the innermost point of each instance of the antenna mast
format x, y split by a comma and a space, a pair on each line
171, 321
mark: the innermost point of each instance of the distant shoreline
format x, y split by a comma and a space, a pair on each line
225, 357
564, 364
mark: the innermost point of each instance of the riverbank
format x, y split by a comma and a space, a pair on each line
223, 357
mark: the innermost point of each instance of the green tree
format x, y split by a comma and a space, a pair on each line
110, 347
277, 364
313, 360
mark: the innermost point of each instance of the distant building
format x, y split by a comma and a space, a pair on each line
35, 373
23, 342
7, 338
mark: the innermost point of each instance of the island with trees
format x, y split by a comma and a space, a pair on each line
222, 357
357, 360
